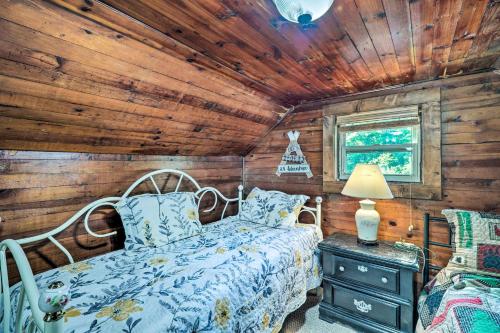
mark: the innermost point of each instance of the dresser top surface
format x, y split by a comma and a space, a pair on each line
385, 251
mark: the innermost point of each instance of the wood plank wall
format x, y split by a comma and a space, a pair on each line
40, 190
69, 83
470, 160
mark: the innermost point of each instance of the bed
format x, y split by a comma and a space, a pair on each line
235, 276
458, 298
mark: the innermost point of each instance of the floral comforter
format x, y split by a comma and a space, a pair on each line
235, 277
460, 302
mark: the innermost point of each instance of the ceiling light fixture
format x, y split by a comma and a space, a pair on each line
303, 11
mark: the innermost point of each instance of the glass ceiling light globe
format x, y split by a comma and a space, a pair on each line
303, 11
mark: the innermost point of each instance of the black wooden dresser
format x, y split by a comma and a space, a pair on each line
369, 288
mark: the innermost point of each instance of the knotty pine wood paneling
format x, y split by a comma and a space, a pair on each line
357, 45
470, 161
41, 190
71, 83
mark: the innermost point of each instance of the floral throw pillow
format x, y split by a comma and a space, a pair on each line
272, 208
154, 220
475, 240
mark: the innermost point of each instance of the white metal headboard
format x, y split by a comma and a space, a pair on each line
315, 212
200, 193
113, 201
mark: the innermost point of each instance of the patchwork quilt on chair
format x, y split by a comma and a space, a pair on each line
235, 276
475, 241
460, 302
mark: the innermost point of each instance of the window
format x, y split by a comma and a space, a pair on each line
400, 132
389, 138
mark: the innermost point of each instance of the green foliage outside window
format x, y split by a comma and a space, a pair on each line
385, 136
392, 161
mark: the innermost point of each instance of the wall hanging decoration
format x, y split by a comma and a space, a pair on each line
293, 160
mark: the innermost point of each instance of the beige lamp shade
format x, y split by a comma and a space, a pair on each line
367, 181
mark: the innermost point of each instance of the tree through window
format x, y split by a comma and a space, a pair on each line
389, 138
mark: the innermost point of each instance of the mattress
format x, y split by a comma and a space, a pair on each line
460, 301
236, 276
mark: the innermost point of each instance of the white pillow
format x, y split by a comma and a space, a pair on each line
272, 208
154, 220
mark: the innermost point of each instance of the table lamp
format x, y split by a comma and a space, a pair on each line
367, 181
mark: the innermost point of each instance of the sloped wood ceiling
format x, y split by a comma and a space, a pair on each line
358, 45
211, 77
69, 83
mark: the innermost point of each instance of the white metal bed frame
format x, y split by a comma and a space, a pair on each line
52, 322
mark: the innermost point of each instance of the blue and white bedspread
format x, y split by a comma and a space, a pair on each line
236, 277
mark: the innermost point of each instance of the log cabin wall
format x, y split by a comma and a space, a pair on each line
40, 190
470, 109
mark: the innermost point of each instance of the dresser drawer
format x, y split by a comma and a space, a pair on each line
376, 309
365, 273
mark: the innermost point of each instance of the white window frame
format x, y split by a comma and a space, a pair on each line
382, 119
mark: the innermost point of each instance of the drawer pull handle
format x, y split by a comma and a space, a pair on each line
362, 306
384, 280
341, 268
362, 268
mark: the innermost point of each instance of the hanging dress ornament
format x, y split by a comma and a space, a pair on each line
303, 11
293, 160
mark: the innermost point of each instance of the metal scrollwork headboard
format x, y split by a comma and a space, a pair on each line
87, 211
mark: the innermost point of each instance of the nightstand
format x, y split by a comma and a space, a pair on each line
368, 287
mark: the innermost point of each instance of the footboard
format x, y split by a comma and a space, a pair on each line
46, 313
47, 305
29, 289
316, 213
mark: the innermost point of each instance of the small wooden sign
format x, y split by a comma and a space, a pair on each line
293, 160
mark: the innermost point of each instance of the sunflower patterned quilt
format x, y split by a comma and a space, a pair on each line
236, 276
461, 302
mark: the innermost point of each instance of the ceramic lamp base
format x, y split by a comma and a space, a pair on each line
367, 222
367, 243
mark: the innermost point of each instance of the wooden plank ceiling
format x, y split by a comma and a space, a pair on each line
357, 46
211, 77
